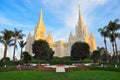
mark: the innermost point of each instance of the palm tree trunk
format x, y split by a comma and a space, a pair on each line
105, 45
14, 54
116, 51
14, 50
106, 48
5, 52
113, 50
21, 54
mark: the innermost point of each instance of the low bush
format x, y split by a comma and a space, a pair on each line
10, 68
10, 63
77, 68
116, 69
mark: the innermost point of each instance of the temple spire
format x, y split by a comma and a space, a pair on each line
80, 17
71, 37
40, 18
50, 38
40, 29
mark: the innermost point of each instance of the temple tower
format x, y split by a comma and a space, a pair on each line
79, 36
40, 32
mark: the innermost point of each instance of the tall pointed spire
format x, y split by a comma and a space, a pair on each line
92, 42
79, 29
28, 47
80, 17
50, 38
71, 37
41, 29
40, 18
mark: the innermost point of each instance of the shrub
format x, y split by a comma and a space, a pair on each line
5, 59
105, 68
77, 68
10, 68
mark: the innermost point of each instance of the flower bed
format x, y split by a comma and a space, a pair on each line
77, 68
42, 68
22, 67
60, 65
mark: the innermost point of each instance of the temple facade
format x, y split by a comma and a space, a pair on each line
61, 48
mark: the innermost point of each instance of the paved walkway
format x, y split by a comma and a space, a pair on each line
60, 68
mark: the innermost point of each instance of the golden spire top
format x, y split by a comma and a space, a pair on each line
50, 38
41, 14
40, 29
40, 22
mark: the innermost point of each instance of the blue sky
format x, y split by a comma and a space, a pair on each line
60, 16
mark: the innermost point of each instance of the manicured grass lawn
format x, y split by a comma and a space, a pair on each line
76, 75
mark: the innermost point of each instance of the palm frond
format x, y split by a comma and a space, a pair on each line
10, 41
11, 44
116, 20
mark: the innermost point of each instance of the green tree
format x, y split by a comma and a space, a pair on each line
26, 57
16, 35
114, 26
42, 50
21, 44
112, 39
80, 51
96, 56
105, 57
104, 33
6, 39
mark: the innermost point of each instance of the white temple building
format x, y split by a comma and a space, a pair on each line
61, 48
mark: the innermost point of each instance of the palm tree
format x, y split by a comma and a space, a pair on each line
6, 39
117, 35
21, 44
0, 38
104, 33
113, 26
17, 35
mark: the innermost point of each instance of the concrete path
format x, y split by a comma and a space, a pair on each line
60, 68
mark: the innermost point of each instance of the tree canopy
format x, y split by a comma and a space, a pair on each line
42, 50
96, 56
80, 51
17, 34
6, 39
26, 57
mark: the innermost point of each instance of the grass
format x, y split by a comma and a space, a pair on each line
76, 75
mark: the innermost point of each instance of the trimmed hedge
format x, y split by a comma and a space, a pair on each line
10, 68
116, 69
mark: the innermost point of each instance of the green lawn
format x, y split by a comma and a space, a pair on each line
78, 75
